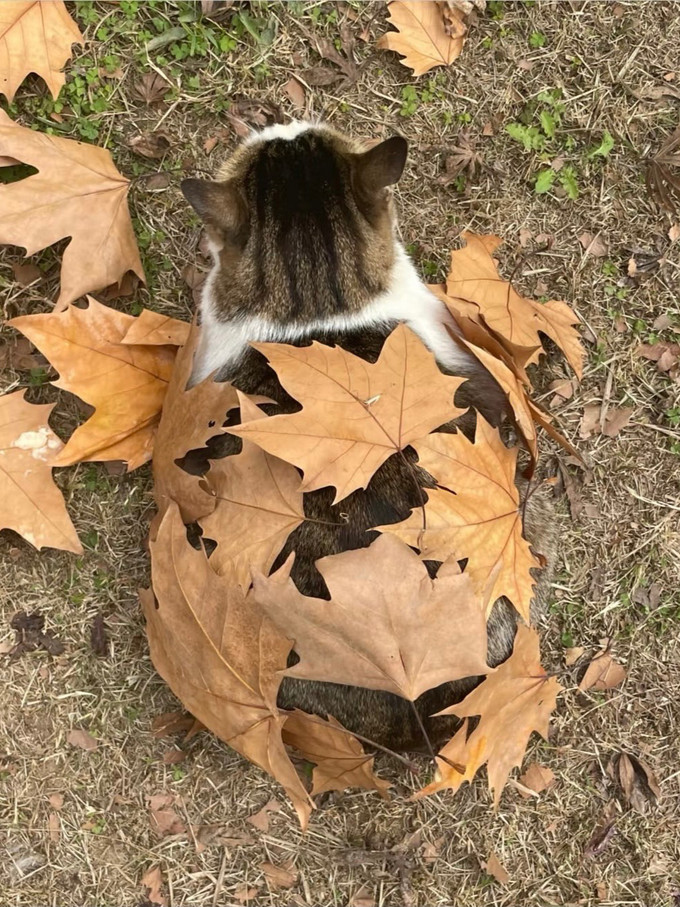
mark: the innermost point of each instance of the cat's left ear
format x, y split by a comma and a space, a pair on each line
382, 165
218, 204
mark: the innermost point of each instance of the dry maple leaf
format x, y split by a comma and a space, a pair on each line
474, 277
355, 414
423, 37
153, 329
473, 513
258, 503
35, 37
125, 384
339, 757
32, 505
401, 632
190, 417
514, 701
77, 192
219, 654
603, 673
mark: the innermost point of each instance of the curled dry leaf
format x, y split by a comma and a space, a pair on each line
402, 632
638, 782
30, 502
338, 756
56, 203
82, 739
189, 418
474, 277
258, 503
603, 673
424, 37
514, 701
126, 384
219, 654
35, 37
355, 414
474, 513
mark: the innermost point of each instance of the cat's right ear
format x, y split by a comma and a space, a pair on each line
382, 165
218, 204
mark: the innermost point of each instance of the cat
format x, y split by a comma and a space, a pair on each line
303, 235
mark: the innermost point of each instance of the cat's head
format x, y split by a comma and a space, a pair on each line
301, 223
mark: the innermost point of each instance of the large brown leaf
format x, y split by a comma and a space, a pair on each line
475, 278
421, 36
35, 37
514, 701
125, 384
355, 414
190, 417
153, 329
30, 502
339, 757
258, 503
474, 513
219, 653
77, 192
387, 626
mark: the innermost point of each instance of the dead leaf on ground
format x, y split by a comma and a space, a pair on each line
126, 384
461, 158
198, 618
366, 635
20, 354
494, 867
537, 778
153, 881
340, 761
170, 723
153, 329
616, 419
99, 637
151, 88
296, 93
603, 833
638, 782
355, 414
473, 513
56, 801
594, 245
423, 36
35, 37
572, 655
603, 673
245, 893
163, 817
29, 635
31, 504
284, 876
258, 503
512, 702
666, 355
55, 203
362, 898
82, 739
26, 274
590, 421
152, 145
262, 817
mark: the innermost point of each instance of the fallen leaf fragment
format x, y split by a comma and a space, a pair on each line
54, 827
537, 778
603, 673
245, 893
572, 655
638, 782
82, 739
474, 513
616, 419
495, 868
200, 619
603, 833
258, 503
474, 277
262, 818
402, 632
31, 504
30, 634
35, 37
163, 817
296, 92
56, 203
152, 880
594, 245
170, 723
512, 702
153, 329
338, 756
279, 876
423, 37
56, 801
126, 384
355, 414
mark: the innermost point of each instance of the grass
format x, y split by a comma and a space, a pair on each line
570, 71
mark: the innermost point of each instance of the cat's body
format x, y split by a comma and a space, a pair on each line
303, 240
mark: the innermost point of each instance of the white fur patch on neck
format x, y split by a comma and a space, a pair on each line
407, 299
288, 131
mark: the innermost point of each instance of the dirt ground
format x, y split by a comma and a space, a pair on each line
78, 821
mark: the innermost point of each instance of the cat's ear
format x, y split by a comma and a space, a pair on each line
382, 165
218, 204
